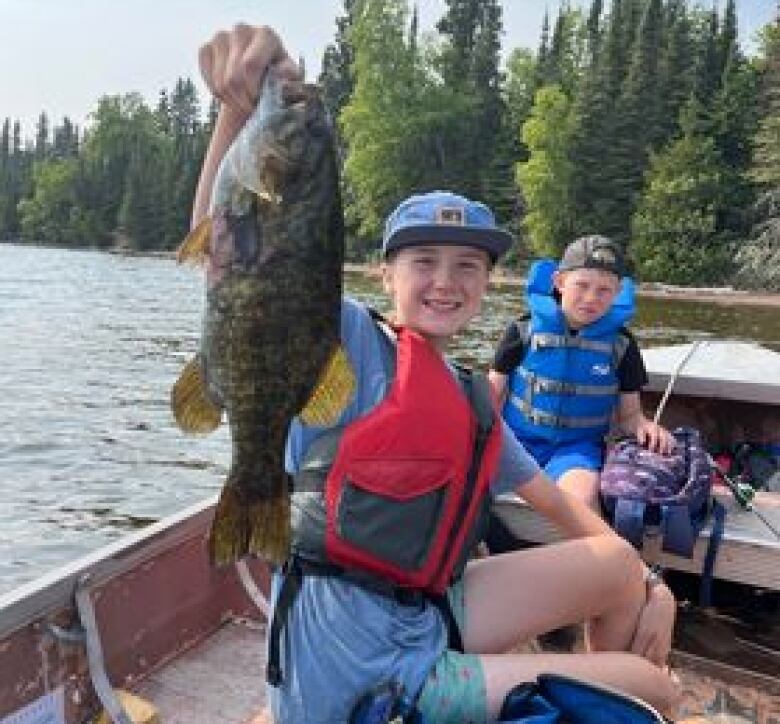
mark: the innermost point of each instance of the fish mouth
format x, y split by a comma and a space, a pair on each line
273, 164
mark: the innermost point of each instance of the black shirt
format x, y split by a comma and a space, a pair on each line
631, 372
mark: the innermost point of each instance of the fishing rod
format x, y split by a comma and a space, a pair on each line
743, 494
672, 379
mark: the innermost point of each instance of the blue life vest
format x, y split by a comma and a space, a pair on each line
566, 387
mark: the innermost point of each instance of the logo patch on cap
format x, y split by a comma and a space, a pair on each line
604, 255
450, 216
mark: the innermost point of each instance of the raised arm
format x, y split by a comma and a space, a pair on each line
233, 64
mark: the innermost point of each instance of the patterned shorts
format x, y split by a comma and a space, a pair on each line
454, 692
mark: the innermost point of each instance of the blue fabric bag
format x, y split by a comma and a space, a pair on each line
557, 699
551, 699
641, 488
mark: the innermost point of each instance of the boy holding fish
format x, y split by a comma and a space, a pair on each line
388, 503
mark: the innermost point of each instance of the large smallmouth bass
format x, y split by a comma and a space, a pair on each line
273, 248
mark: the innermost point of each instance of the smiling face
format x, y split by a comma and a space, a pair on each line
586, 294
436, 289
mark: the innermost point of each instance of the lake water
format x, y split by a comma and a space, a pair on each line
90, 344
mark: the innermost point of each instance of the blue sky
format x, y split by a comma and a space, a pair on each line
62, 55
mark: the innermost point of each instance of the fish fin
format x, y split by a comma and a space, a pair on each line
192, 407
333, 392
239, 528
195, 247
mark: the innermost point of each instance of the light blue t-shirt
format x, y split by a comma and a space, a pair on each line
342, 640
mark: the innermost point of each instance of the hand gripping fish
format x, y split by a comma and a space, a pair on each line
273, 248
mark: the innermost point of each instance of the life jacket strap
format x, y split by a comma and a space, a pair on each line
548, 385
541, 417
542, 340
297, 568
291, 585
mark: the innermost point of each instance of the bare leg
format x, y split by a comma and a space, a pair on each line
584, 484
516, 596
625, 672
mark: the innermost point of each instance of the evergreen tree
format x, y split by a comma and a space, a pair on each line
336, 78
758, 258
568, 51
66, 140
594, 30
765, 170
675, 228
469, 65
543, 53
42, 137
676, 68
163, 112
5, 177
637, 124
594, 128
184, 158
708, 69
141, 216
5, 142
16, 183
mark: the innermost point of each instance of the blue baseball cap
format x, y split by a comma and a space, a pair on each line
441, 217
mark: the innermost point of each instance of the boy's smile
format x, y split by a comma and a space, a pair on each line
436, 289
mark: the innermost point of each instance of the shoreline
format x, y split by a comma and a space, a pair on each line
724, 296
501, 277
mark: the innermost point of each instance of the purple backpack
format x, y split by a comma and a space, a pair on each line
640, 488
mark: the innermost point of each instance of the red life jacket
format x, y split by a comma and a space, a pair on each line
404, 497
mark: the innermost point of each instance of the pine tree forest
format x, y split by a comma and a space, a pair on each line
644, 120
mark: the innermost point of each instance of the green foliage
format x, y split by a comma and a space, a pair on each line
51, 215
520, 87
638, 117
765, 170
469, 66
758, 258
129, 180
565, 60
545, 176
675, 228
374, 122
401, 122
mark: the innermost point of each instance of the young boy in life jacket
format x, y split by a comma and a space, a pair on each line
389, 599
570, 369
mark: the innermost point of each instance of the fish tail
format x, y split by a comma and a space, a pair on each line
270, 529
240, 528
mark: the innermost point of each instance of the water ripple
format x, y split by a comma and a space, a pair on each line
90, 344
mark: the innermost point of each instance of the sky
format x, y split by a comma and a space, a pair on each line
62, 55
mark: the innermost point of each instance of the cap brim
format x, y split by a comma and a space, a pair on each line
495, 242
617, 269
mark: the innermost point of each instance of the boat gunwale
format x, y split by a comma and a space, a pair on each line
50, 592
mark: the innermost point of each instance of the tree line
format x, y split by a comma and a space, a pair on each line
128, 181
645, 121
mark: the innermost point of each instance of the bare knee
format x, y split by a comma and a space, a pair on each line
663, 690
582, 484
625, 569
